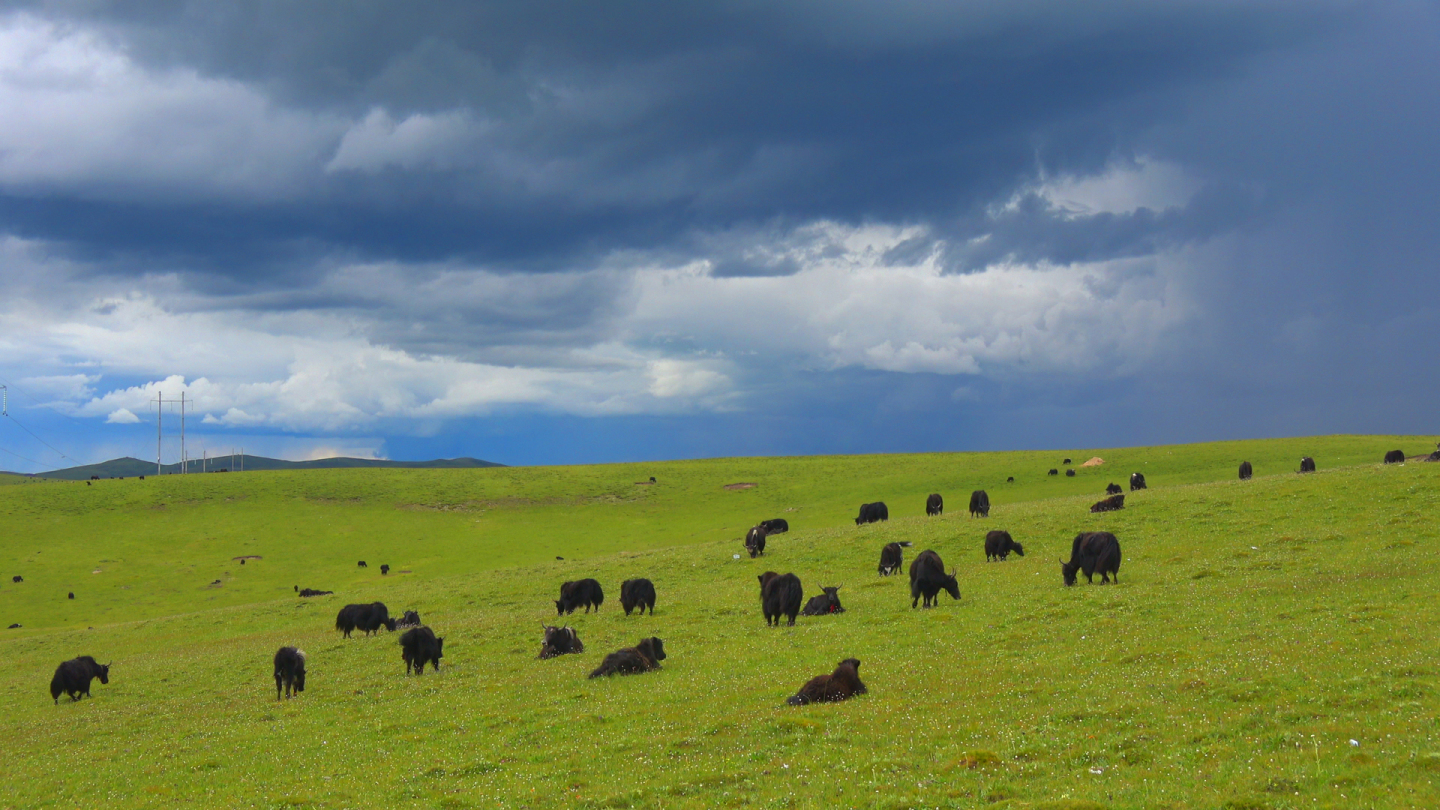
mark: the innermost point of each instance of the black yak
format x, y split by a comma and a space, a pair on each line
755, 541
780, 595
1113, 488
637, 593
1307, 464
314, 592
1137, 481
1010, 480
361, 564
1395, 457
419, 646
73, 677
289, 671
72, 595
1091, 552
369, 618
776, 525
891, 558
1110, 504
1246, 471
585, 592
928, 578
410, 619
826, 602
559, 641
643, 657
1069, 473
1053, 471
842, 684
384, 569
999, 544
873, 513
934, 504
17, 578
979, 504
1065, 461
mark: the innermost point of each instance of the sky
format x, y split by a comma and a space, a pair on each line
563, 232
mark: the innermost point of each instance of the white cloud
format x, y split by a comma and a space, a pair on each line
1120, 189
121, 416
428, 141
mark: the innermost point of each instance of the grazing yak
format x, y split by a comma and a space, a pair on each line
1246, 471
776, 525
979, 504
72, 595
73, 677
1113, 489
999, 544
643, 657
1053, 471
369, 618
891, 558
384, 569
827, 602
755, 541
17, 578
842, 684
289, 671
637, 593
410, 619
1065, 461
1137, 481
928, 578
362, 564
418, 647
1091, 552
934, 505
1395, 457
1110, 504
559, 641
1069, 473
873, 513
1010, 480
573, 594
780, 595
1307, 464
314, 592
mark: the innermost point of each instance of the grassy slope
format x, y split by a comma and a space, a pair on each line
1259, 627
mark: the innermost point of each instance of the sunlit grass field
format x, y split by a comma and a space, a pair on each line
1258, 629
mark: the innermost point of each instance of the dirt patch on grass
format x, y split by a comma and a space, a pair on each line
1094, 462
740, 486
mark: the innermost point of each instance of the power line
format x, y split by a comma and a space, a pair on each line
38, 439
22, 458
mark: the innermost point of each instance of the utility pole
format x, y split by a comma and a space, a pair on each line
184, 459
159, 410
4, 401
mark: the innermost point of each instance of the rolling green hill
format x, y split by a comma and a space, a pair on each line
1258, 628
129, 466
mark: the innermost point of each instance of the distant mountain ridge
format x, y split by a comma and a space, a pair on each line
128, 466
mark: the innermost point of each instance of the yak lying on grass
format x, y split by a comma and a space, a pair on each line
780, 595
369, 618
934, 505
560, 641
410, 619
643, 657
1110, 504
999, 544
842, 684
418, 647
755, 541
637, 593
313, 592
928, 578
1091, 552
827, 602
73, 677
776, 525
289, 671
573, 594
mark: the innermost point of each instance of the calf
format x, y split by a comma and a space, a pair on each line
637, 593
369, 618
73, 677
1113, 489
1395, 457
1137, 481
872, 513
1110, 504
419, 646
826, 602
643, 657
842, 684
928, 578
1307, 464
559, 641
934, 504
755, 541
979, 504
891, 558
999, 544
585, 592
1091, 552
780, 595
1246, 471
776, 525
289, 672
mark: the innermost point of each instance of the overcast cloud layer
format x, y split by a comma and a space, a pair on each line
555, 232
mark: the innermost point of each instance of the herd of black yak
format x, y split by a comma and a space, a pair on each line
780, 598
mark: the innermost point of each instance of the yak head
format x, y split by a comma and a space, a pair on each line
105, 673
559, 607
833, 599
390, 625
654, 647
300, 673
947, 581
1018, 549
1068, 571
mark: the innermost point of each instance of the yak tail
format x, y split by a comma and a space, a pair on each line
906, 543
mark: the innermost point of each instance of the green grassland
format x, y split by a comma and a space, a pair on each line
1257, 629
